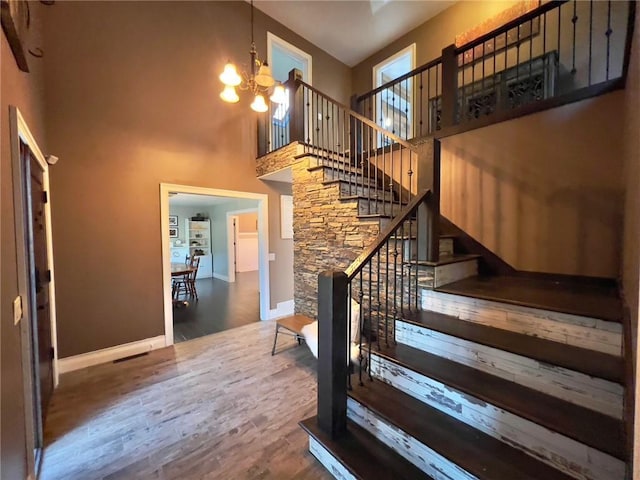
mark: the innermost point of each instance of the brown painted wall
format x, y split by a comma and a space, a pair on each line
631, 246
248, 222
430, 37
132, 101
25, 92
544, 192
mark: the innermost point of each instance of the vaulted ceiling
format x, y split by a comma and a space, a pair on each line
351, 30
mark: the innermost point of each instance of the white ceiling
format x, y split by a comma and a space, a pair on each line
192, 200
351, 30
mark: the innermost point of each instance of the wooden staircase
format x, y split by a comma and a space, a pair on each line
468, 369
491, 378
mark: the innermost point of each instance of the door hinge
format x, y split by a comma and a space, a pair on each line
45, 197
48, 275
53, 353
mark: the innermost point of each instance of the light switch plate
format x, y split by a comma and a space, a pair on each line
272, 257
17, 310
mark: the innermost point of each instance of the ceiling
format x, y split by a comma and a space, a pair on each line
192, 200
351, 30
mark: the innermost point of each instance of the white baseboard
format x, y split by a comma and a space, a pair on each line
76, 362
220, 277
283, 309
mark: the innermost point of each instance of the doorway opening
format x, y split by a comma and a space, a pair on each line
34, 306
195, 224
394, 106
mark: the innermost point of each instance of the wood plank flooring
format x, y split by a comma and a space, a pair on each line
221, 305
219, 407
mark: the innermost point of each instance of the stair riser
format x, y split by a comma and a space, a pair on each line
565, 454
351, 189
332, 464
594, 393
410, 247
352, 177
417, 453
584, 332
370, 207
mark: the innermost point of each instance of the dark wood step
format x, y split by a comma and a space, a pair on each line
594, 300
476, 452
589, 362
446, 260
582, 424
363, 454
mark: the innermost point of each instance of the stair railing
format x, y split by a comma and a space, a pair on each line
368, 161
357, 308
559, 52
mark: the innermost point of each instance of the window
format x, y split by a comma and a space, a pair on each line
393, 107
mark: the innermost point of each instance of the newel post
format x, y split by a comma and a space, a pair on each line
429, 210
296, 106
449, 110
332, 352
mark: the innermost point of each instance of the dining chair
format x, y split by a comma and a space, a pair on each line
180, 285
191, 277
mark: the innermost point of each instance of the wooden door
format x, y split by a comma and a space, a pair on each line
39, 280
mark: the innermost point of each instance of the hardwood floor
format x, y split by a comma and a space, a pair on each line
221, 306
219, 407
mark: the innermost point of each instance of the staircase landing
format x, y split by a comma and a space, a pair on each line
597, 299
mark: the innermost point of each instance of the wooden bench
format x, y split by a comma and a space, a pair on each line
292, 326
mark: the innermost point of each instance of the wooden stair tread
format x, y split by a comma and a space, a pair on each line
582, 424
576, 298
446, 260
589, 362
472, 450
373, 216
363, 454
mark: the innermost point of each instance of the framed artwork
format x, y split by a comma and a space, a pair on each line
173, 220
15, 19
495, 45
173, 232
286, 216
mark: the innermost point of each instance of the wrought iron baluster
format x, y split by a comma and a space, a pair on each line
574, 21
531, 48
371, 313
608, 34
420, 104
386, 296
378, 300
590, 38
360, 296
395, 287
559, 30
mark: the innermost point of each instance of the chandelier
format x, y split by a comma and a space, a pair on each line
258, 84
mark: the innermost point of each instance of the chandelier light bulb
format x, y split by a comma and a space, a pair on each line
279, 95
264, 77
229, 95
259, 104
230, 76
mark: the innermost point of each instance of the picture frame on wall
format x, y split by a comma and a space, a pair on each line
173, 232
15, 19
286, 216
173, 220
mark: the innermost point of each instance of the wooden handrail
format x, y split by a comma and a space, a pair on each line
359, 263
359, 117
412, 73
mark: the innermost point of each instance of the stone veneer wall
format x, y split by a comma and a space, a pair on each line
326, 231
278, 159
